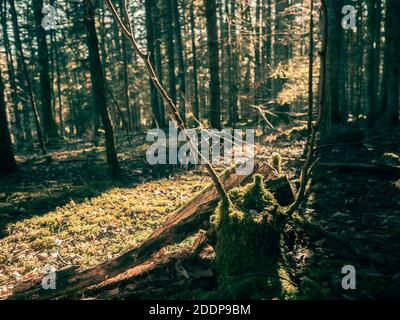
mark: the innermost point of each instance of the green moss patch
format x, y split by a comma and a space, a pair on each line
248, 244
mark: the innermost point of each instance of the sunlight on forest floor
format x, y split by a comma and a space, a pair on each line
68, 212
94, 230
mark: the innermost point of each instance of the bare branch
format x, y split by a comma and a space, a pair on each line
173, 111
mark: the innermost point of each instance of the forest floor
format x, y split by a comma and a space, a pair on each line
67, 211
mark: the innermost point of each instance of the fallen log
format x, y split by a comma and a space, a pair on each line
188, 220
153, 270
359, 166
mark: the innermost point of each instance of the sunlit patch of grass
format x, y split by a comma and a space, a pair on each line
94, 230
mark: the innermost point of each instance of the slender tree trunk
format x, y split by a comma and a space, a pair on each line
332, 116
170, 49
196, 104
98, 88
371, 65
11, 75
257, 55
181, 62
125, 74
213, 52
391, 116
59, 94
311, 68
21, 63
359, 59
7, 160
149, 5
267, 48
386, 60
49, 124
233, 67
158, 58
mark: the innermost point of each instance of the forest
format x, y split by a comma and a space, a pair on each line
125, 126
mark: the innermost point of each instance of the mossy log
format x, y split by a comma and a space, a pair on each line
187, 221
247, 234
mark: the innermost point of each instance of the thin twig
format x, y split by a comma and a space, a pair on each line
173, 111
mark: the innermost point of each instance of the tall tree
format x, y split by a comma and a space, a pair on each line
213, 54
181, 61
168, 26
7, 160
196, 104
125, 72
159, 57
267, 48
311, 68
19, 132
98, 87
391, 115
21, 64
372, 62
50, 128
232, 64
149, 6
332, 116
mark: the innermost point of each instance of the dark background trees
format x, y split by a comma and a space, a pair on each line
218, 59
7, 161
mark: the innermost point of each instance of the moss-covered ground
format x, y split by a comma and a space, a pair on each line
68, 211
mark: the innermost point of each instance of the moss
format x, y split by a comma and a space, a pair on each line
296, 133
248, 244
276, 162
254, 196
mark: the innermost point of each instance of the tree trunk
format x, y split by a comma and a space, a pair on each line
391, 116
158, 58
18, 132
371, 65
213, 52
257, 55
181, 62
170, 49
98, 88
21, 64
267, 49
125, 75
196, 104
332, 116
311, 69
149, 5
232, 65
7, 161
49, 124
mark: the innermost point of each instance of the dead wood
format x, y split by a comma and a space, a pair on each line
187, 221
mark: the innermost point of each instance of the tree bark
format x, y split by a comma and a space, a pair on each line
332, 116
7, 160
392, 109
213, 52
18, 131
50, 128
170, 49
21, 63
149, 5
196, 103
159, 58
311, 69
181, 62
98, 88
371, 65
